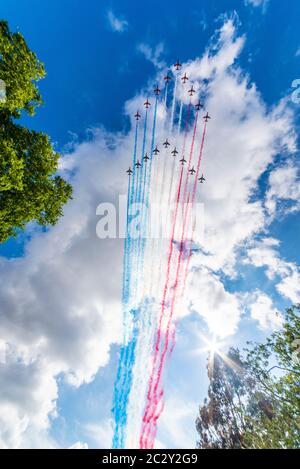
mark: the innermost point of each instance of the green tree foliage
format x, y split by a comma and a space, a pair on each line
30, 190
254, 401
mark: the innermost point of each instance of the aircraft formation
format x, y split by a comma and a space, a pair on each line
166, 168
166, 144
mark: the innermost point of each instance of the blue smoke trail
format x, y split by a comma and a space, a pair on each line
127, 357
141, 185
128, 241
119, 403
143, 154
134, 256
127, 353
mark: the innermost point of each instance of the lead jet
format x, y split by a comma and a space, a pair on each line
137, 164
166, 144
178, 65
184, 78
167, 78
156, 150
156, 90
147, 104
137, 115
206, 117
129, 171
202, 179
191, 91
192, 171
198, 106
174, 152
146, 157
182, 161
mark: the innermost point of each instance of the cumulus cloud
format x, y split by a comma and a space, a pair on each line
283, 187
219, 308
286, 275
118, 25
249, 137
153, 54
60, 308
60, 303
289, 286
262, 310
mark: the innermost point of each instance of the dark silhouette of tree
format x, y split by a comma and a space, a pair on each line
254, 402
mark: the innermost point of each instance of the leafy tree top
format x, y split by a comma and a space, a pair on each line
19, 69
30, 189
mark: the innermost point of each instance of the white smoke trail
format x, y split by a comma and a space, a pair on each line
180, 117
173, 104
159, 183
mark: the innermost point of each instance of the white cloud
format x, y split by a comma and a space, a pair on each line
118, 25
153, 54
289, 286
219, 308
262, 310
286, 275
257, 3
175, 426
99, 433
60, 308
283, 186
60, 304
79, 445
249, 137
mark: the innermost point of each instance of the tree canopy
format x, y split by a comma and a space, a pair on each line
254, 400
30, 190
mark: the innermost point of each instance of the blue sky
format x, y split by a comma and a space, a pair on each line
95, 63
86, 62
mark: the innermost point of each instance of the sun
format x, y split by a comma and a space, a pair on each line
213, 345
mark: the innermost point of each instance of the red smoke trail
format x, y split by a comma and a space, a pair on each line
193, 200
155, 416
150, 438
146, 420
187, 175
177, 277
190, 158
152, 392
199, 162
185, 201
